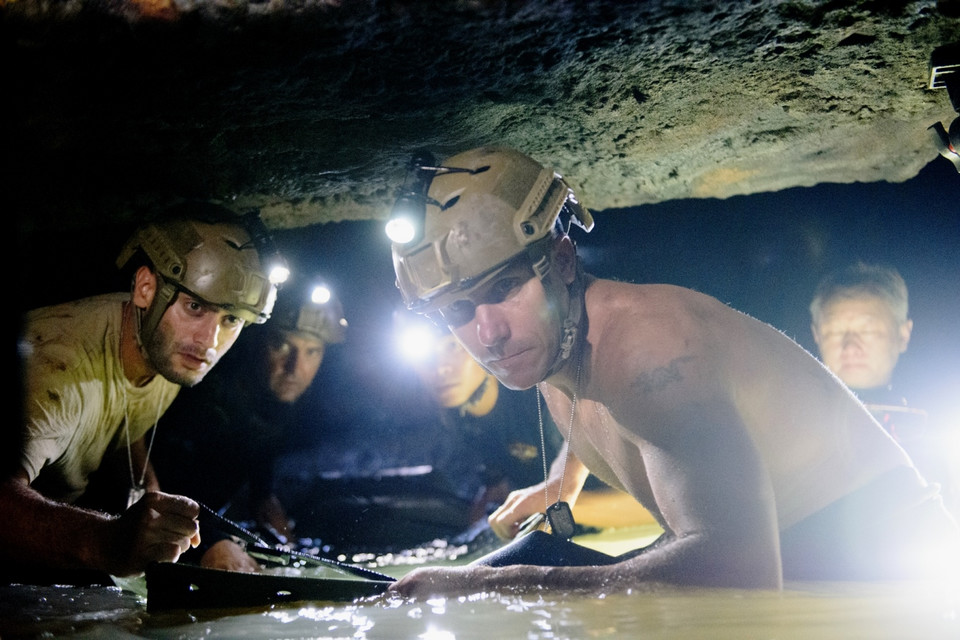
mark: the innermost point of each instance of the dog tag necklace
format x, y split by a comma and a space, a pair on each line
559, 514
137, 489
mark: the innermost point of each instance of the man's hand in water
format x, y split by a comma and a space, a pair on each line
443, 581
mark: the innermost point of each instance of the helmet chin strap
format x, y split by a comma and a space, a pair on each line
138, 326
571, 324
148, 319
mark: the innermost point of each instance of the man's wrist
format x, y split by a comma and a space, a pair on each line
101, 542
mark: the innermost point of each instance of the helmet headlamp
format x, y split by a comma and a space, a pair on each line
406, 223
479, 210
311, 308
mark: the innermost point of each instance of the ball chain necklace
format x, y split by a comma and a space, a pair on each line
137, 488
559, 514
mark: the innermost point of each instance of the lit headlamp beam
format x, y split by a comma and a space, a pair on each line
409, 211
320, 294
416, 344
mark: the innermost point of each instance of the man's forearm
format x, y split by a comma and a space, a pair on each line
432, 581
677, 561
49, 533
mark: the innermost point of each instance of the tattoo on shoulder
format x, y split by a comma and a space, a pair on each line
658, 379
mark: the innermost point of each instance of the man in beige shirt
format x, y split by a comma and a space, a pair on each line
99, 372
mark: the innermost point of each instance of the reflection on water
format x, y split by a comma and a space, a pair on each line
807, 610
930, 611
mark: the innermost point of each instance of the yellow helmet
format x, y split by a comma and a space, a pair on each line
481, 209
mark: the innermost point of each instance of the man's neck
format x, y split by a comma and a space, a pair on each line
575, 370
572, 375
135, 366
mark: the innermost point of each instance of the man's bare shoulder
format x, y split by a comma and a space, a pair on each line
648, 337
629, 314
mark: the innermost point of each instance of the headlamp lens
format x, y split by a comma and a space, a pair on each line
320, 295
279, 274
400, 230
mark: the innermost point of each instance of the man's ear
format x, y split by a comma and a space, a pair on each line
905, 330
565, 259
144, 287
816, 334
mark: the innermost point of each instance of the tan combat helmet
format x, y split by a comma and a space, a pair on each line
311, 308
480, 210
216, 262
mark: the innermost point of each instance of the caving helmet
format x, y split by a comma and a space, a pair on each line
212, 255
480, 210
311, 308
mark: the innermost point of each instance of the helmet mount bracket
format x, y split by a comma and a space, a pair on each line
945, 74
410, 209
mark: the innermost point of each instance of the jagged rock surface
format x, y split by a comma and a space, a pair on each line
310, 109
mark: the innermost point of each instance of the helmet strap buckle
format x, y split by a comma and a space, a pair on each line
541, 266
569, 337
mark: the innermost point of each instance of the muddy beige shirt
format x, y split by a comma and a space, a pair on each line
76, 397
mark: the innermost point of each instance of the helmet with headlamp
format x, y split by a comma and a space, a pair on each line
311, 308
480, 211
222, 262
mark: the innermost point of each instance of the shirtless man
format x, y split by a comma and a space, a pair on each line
98, 374
755, 460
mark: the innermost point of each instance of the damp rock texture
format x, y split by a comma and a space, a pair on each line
310, 109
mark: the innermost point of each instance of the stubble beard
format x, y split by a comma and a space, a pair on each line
159, 352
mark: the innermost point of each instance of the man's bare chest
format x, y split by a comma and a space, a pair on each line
609, 450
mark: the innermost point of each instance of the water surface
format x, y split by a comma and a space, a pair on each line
821, 610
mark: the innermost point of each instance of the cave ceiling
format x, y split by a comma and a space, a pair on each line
310, 110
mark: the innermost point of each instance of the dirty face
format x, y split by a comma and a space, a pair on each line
860, 340
190, 339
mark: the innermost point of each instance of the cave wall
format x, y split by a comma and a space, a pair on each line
309, 110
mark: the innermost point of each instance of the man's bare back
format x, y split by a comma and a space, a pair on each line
669, 368
726, 430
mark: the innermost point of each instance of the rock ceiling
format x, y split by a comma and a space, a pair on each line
309, 109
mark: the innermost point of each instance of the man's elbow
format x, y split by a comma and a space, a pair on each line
707, 562
744, 569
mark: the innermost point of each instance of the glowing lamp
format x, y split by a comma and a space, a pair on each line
401, 229
278, 274
320, 294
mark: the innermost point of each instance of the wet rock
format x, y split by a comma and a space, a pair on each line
309, 109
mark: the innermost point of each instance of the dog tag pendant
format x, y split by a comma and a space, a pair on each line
561, 520
135, 494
